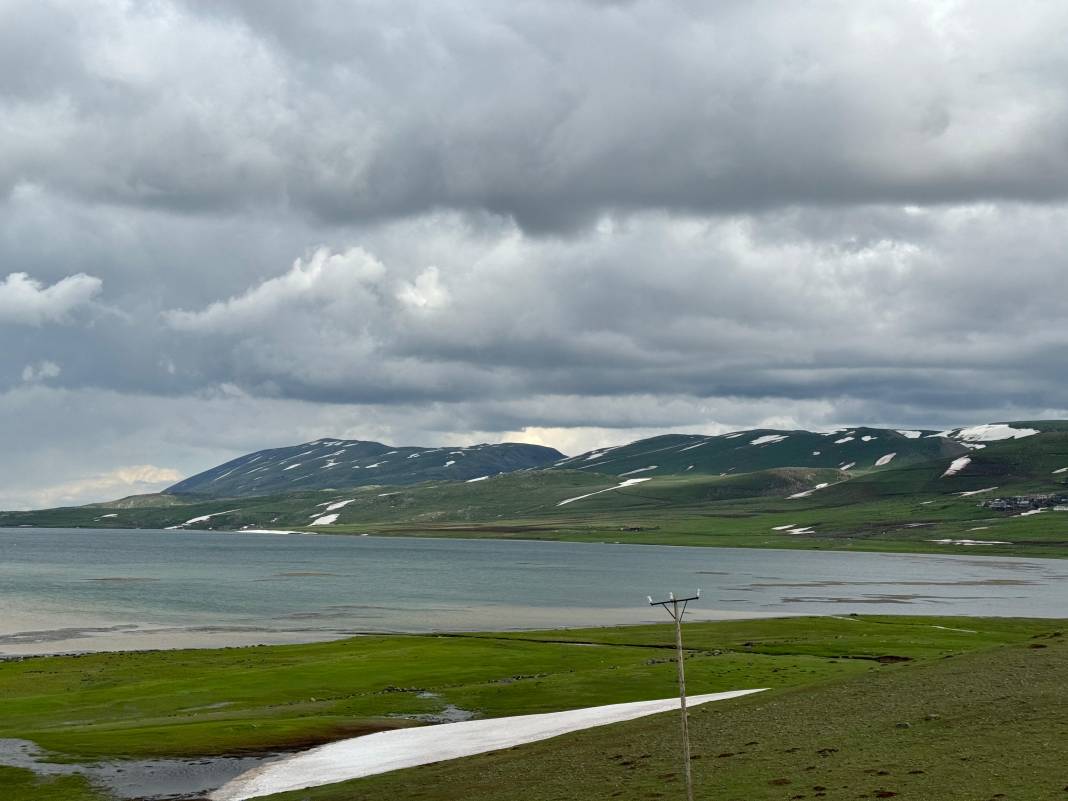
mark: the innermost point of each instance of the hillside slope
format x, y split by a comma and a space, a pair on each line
337, 463
855, 449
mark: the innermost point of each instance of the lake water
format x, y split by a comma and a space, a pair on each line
82, 590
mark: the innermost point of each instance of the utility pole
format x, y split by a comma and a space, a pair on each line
672, 606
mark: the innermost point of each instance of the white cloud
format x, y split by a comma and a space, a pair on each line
425, 292
122, 481
321, 285
29, 302
41, 371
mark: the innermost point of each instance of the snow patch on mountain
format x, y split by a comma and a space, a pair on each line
956, 466
768, 439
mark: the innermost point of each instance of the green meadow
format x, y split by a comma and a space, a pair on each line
967, 687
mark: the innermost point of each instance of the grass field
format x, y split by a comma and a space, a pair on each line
829, 690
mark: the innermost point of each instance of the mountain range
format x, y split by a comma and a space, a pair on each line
996, 487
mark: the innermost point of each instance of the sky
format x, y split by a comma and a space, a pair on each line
227, 225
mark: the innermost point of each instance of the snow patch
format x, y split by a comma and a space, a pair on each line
640, 470
910, 434
450, 462
976, 492
386, 751
768, 439
1030, 512
691, 447
956, 466
201, 519
473, 480
847, 466
885, 460
806, 493
993, 432
843, 440
291, 467
1062, 470
325, 520
340, 504
629, 482
867, 438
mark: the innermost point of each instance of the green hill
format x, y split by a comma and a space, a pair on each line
329, 463
935, 494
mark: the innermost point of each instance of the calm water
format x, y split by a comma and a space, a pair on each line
67, 590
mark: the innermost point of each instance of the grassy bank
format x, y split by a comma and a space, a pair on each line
986, 725
209, 702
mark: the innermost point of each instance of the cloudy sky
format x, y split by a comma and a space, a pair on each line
235, 224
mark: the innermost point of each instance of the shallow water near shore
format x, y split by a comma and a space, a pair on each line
66, 590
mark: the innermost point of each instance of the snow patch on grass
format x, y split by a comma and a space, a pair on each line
640, 470
405, 748
629, 482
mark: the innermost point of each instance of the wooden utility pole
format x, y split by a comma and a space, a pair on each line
676, 607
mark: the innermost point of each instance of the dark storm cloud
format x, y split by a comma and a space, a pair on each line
550, 112
233, 224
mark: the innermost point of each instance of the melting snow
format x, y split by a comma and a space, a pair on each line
783, 528
884, 460
201, 519
419, 745
291, 467
698, 445
847, 466
340, 505
473, 480
816, 453
1031, 512
325, 520
768, 439
910, 434
843, 440
640, 470
957, 465
629, 482
993, 433
806, 493
977, 492
1062, 470
867, 438
451, 461
735, 435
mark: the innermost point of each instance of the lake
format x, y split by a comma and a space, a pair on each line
67, 590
